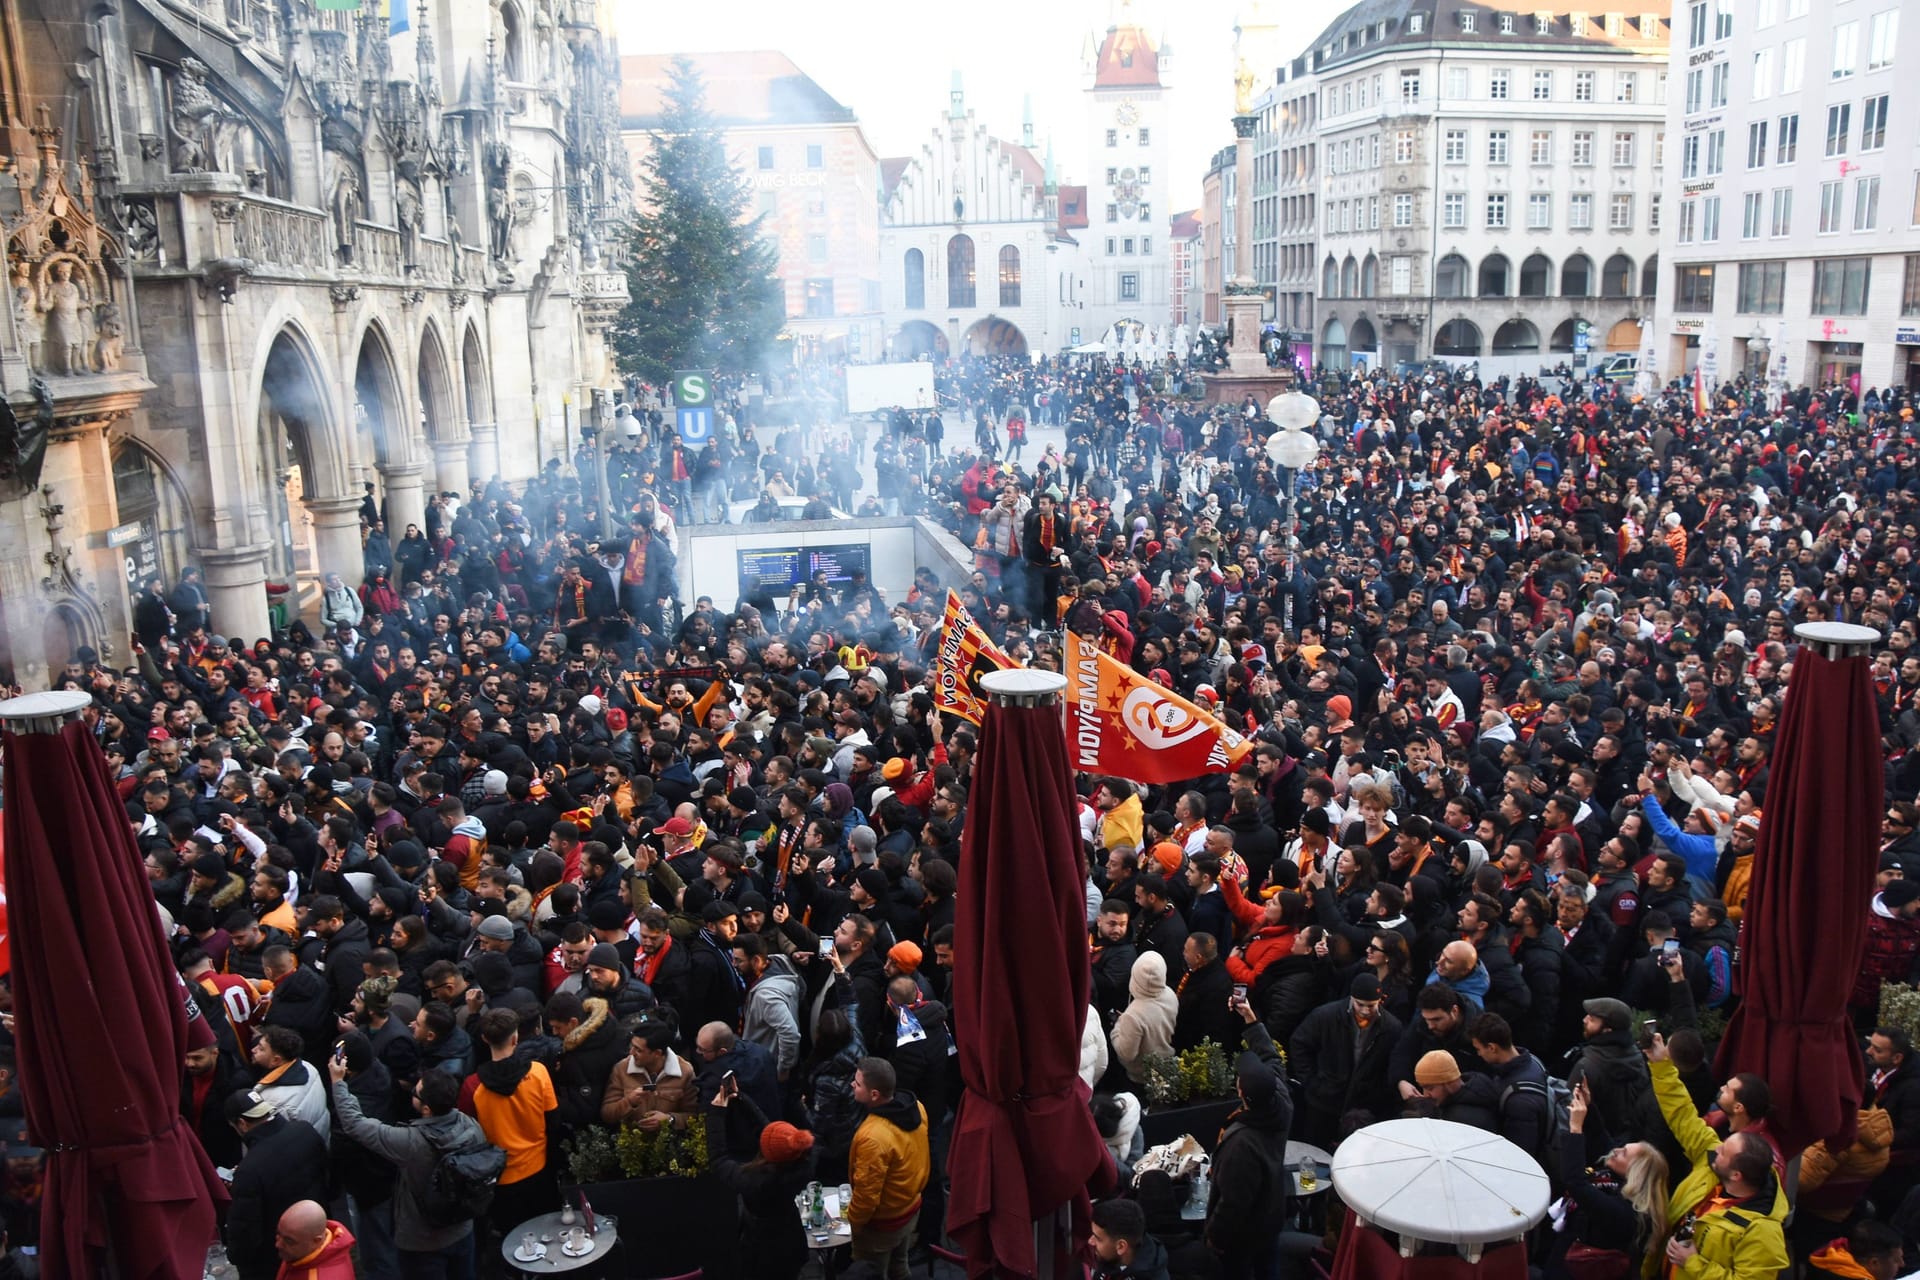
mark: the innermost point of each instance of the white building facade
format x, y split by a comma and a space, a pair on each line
1489, 181
1794, 251
1127, 265
972, 259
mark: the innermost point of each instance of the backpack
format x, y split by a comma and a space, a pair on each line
1557, 1095
462, 1183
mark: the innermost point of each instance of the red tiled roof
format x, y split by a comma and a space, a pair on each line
1073, 207
1032, 172
1127, 59
1186, 225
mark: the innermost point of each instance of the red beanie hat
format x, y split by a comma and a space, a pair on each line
781, 1142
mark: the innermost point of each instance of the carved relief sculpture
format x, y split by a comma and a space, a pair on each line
27, 306
195, 116
109, 343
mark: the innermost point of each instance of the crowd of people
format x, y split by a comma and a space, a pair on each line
515, 841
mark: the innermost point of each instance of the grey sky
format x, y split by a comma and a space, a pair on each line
892, 62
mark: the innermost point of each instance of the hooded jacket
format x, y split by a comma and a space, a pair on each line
1736, 1241
464, 847
514, 1095
588, 1057
1147, 1024
1247, 1199
889, 1164
414, 1150
772, 1017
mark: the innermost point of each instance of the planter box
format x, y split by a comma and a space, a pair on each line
1203, 1120
670, 1226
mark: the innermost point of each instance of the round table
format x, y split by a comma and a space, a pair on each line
838, 1233
1305, 1154
556, 1262
1436, 1181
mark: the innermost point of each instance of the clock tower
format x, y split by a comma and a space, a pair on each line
1127, 249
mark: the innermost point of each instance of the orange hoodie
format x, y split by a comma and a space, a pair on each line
1835, 1260
333, 1260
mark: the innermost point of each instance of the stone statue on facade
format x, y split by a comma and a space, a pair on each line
343, 208
27, 306
109, 343
502, 217
410, 214
68, 338
195, 114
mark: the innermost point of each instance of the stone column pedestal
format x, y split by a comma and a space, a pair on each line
406, 501
450, 458
336, 539
483, 454
236, 579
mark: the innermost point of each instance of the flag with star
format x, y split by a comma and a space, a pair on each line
966, 653
1119, 723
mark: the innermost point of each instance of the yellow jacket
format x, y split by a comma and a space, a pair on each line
1742, 1242
889, 1164
1122, 826
1738, 881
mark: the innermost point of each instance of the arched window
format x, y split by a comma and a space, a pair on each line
1333, 345
1494, 273
1349, 279
1450, 277
1457, 338
1370, 277
1330, 280
1562, 340
1616, 278
1576, 277
960, 292
1516, 338
1536, 277
916, 269
1009, 276
513, 60
1361, 337
1650, 277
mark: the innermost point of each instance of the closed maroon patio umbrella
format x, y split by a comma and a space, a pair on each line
1805, 928
1024, 1147
99, 1015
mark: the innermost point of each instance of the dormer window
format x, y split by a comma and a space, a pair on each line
1506, 24
1466, 21
1416, 23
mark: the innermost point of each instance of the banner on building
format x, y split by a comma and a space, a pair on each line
966, 653
1118, 723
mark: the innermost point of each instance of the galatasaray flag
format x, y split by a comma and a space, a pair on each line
1118, 723
966, 653
1700, 405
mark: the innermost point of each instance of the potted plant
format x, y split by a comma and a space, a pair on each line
662, 1176
1188, 1092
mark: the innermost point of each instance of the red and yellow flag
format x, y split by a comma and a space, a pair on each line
966, 653
1118, 723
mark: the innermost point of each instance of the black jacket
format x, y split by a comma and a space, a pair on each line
345, 953
1247, 1200
1112, 971
1341, 1069
1542, 963
925, 1067
286, 1162
1257, 844
1166, 934
714, 988
1524, 1115
588, 1057
1616, 1073
304, 1003
772, 1241
363, 1175
1149, 1263
1204, 1013
1285, 993
1417, 1041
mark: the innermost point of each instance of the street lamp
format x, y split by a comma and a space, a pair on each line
1293, 447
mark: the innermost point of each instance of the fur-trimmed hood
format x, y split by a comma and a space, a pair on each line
597, 1015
